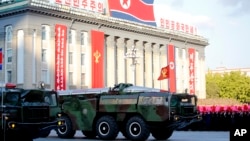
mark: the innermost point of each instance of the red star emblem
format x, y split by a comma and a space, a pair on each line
125, 2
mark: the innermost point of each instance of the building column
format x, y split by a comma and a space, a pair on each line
185, 68
139, 67
121, 60
156, 65
148, 65
202, 93
178, 71
129, 68
110, 72
163, 63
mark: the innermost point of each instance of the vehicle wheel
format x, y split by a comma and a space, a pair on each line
107, 128
66, 131
89, 134
162, 134
136, 129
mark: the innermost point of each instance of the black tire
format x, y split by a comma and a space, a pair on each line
136, 129
162, 134
107, 128
66, 131
89, 134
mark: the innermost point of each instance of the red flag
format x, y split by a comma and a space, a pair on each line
164, 73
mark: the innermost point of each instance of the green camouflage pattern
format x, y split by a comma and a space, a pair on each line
81, 109
85, 107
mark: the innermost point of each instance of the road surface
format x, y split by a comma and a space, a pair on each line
177, 136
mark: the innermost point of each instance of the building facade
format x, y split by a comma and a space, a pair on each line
32, 32
223, 70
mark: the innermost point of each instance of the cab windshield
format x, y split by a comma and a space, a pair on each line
50, 98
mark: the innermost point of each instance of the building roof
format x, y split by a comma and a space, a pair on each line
81, 15
222, 70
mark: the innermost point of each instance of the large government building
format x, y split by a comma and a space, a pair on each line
69, 45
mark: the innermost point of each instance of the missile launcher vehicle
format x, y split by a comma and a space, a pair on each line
134, 111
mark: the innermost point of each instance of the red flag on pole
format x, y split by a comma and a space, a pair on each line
164, 73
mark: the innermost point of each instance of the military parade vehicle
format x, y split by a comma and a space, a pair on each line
25, 113
134, 111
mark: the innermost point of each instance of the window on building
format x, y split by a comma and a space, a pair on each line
44, 55
44, 76
82, 79
8, 40
183, 54
9, 76
83, 38
70, 78
8, 33
177, 53
45, 32
72, 35
70, 57
9, 55
82, 59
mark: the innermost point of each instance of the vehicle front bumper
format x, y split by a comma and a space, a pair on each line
180, 122
36, 128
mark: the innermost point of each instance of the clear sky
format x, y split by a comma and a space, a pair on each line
225, 23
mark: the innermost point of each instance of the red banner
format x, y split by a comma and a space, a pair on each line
60, 56
191, 56
1, 58
97, 40
171, 63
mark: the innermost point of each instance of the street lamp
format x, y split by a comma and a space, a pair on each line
132, 54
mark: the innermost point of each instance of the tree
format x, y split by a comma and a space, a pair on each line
234, 85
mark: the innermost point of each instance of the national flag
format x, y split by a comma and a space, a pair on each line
164, 73
141, 11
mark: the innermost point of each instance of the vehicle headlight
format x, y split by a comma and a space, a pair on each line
6, 117
59, 114
176, 118
60, 122
12, 125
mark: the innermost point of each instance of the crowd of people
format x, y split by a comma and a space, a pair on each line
222, 118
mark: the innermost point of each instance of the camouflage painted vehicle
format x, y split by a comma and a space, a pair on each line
25, 113
134, 111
